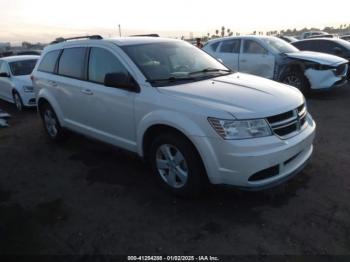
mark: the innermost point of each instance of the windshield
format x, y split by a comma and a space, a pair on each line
279, 45
344, 43
173, 62
24, 67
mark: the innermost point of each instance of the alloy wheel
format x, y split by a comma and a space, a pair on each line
293, 81
172, 165
18, 102
50, 123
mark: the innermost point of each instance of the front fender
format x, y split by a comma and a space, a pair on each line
172, 119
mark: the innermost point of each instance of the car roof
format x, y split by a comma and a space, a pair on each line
324, 39
119, 41
19, 58
240, 37
339, 41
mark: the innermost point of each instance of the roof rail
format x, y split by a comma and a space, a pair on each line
149, 35
61, 39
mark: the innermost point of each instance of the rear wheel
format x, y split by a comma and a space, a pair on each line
18, 101
297, 79
177, 165
51, 123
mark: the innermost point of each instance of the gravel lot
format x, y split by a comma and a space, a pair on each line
84, 197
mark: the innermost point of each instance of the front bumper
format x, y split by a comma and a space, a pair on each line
236, 162
325, 79
28, 99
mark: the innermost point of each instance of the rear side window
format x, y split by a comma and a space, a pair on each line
103, 62
72, 62
48, 63
230, 46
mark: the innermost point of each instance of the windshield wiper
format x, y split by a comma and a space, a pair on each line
170, 79
208, 70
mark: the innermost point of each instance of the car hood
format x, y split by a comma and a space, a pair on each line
24, 80
243, 96
321, 58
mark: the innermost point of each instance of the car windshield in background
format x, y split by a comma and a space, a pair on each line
343, 43
24, 67
171, 63
280, 46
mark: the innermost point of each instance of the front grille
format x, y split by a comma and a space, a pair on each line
341, 70
286, 124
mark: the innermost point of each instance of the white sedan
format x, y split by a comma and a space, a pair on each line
15, 83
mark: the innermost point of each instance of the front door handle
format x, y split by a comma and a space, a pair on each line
87, 92
243, 60
53, 83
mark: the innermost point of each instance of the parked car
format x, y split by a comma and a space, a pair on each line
321, 36
29, 52
188, 115
345, 37
15, 83
288, 39
273, 58
338, 47
309, 34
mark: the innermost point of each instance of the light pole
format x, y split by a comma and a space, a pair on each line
120, 31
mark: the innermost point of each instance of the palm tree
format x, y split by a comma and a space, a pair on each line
228, 31
222, 31
216, 32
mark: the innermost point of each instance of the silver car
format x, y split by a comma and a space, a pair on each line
275, 59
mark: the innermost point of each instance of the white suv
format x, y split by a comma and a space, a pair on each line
188, 115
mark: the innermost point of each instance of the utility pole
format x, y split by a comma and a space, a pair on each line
120, 31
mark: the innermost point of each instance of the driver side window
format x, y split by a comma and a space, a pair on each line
103, 62
252, 47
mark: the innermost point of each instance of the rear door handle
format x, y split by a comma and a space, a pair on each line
87, 92
243, 60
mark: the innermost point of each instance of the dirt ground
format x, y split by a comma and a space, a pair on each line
84, 197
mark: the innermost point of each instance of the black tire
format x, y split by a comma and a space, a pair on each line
196, 176
51, 124
18, 101
296, 78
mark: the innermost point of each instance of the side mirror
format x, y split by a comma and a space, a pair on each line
122, 81
4, 74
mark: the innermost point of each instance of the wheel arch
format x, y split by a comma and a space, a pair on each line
45, 97
290, 67
151, 133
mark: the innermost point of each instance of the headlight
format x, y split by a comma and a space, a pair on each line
240, 129
28, 89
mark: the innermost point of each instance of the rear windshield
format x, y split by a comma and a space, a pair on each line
24, 67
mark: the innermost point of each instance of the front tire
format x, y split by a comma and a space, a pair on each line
51, 123
177, 165
18, 101
296, 78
